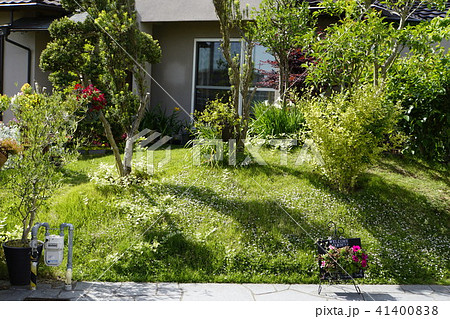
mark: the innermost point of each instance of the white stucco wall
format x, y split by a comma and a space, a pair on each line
175, 72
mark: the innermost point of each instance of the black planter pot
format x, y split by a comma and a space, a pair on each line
18, 260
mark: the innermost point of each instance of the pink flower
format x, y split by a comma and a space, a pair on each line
331, 247
364, 263
356, 248
323, 263
355, 259
364, 256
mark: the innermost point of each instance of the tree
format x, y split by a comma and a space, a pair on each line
104, 50
350, 52
362, 46
298, 62
45, 124
232, 19
283, 26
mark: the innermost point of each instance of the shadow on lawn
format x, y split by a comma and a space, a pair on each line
394, 216
404, 167
409, 224
72, 177
177, 256
398, 218
272, 238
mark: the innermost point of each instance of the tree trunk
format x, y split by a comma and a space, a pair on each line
129, 143
113, 144
284, 77
128, 154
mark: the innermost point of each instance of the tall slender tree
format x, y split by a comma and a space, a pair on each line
232, 20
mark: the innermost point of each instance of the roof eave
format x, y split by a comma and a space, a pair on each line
9, 6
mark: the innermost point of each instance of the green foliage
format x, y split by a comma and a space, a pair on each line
216, 224
349, 130
272, 121
220, 117
4, 103
422, 85
46, 124
157, 119
72, 52
363, 47
352, 52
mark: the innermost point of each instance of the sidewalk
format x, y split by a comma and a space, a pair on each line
129, 291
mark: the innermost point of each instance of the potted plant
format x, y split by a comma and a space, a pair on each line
45, 124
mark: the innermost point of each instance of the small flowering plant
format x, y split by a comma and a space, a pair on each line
345, 261
91, 95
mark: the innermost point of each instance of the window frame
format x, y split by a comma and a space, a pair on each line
195, 70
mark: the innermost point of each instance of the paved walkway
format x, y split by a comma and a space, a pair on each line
129, 291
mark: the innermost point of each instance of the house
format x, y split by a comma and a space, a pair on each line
192, 69
23, 35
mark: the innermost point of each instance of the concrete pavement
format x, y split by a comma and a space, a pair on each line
130, 291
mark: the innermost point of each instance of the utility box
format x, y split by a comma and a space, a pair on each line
54, 250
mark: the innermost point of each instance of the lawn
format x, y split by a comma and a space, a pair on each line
190, 223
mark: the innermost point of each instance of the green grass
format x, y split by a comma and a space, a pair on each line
251, 224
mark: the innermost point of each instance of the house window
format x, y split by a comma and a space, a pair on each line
211, 72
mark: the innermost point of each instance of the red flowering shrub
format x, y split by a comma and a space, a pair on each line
92, 96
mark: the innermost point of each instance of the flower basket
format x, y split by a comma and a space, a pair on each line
341, 259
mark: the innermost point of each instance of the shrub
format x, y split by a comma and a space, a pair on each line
157, 119
272, 121
4, 103
422, 85
46, 124
90, 131
349, 131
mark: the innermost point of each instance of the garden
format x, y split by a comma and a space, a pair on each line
359, 136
